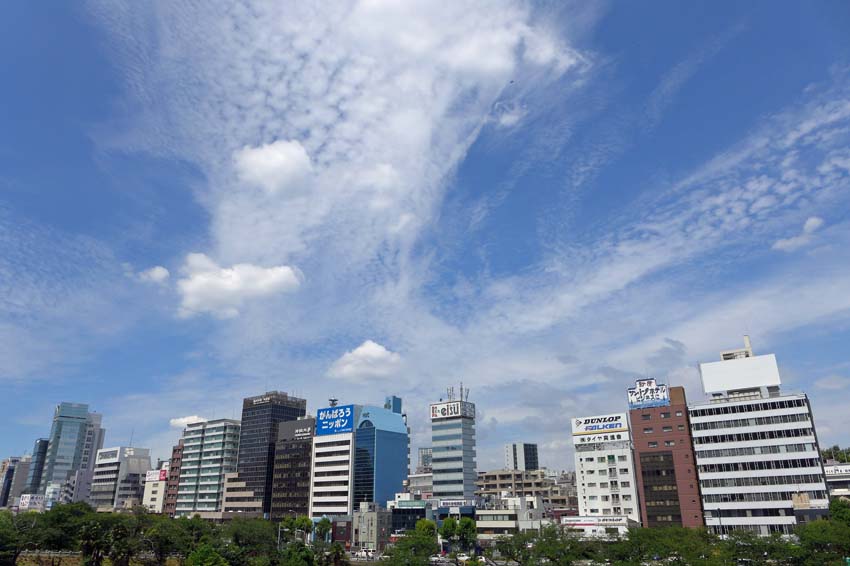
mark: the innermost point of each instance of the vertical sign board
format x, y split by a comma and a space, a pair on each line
647, 393
335, 420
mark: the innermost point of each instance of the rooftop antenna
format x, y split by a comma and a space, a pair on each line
132, 433
333, 401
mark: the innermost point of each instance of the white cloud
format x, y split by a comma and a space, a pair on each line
208, 288
794, 243
182, 422
279, 166
833, 383
369, 360
156, 274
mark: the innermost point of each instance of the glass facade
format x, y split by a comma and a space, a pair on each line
261, 416
39, 453
291, 479
74, 439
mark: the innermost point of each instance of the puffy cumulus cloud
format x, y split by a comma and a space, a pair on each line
812, 224
182, 422
278, 166
207, 287
369, 360
156, 274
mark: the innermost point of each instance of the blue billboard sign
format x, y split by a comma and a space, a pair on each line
648, 393
335, 420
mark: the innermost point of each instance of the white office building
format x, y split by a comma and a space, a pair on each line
453, 466
332, 469
837, 479
756, 448
119, 473
605, 468
521, 456
210, 450
153, 498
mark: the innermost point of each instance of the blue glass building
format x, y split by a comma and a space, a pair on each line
381, 453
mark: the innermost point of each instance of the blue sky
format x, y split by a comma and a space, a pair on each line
542, 200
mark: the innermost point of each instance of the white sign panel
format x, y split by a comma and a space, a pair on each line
603, 424
647, 393
837, 470
452, 409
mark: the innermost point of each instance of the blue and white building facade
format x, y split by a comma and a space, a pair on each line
360, 454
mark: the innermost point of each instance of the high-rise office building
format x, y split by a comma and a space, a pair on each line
756, 448
360, 455
605, 468
75, 437
292, 461
39, 453
261, 416
453, 448
210, 449
521, 456
119, 477
665, 467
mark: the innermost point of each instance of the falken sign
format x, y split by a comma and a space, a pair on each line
335, 420
601, 424
452, 409
647, 393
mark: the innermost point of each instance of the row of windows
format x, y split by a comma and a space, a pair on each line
331, 463
665, 415
768, 465
662, 503
650, 430
752, 421
332, 453
654, 443
334, 443
330, 493
749, 408
750, 436
760, 496
795, 479
755, 450
614, 485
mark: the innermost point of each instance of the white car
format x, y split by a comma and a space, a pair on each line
463, 557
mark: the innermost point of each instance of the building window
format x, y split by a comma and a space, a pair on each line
653, 445
669, 443
680, 427
646, 417
647, 430
665, 415
667, 429
625, 484
621, 458
678, 413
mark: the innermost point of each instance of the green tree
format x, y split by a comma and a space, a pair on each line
517, 547
334, 556
305, 525
824, 542
17, 533
297, 553
839, 510
448, 530
426, 527
466, 533
165, 536
205, 555
94, 545
323, 529
415, 547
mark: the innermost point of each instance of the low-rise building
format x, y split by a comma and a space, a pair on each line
605, 528
371, 527
837, 479
508, 516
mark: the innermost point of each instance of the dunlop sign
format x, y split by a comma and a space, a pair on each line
602, 424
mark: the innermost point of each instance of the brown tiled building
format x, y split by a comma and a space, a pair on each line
665, 467
170, 505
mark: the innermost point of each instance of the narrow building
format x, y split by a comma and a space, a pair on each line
453, 448
210, 449
292, 462
605, 468
521, 456
665, 467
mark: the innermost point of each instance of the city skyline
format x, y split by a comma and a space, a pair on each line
545, 202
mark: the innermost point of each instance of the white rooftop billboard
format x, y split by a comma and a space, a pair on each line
741, 373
